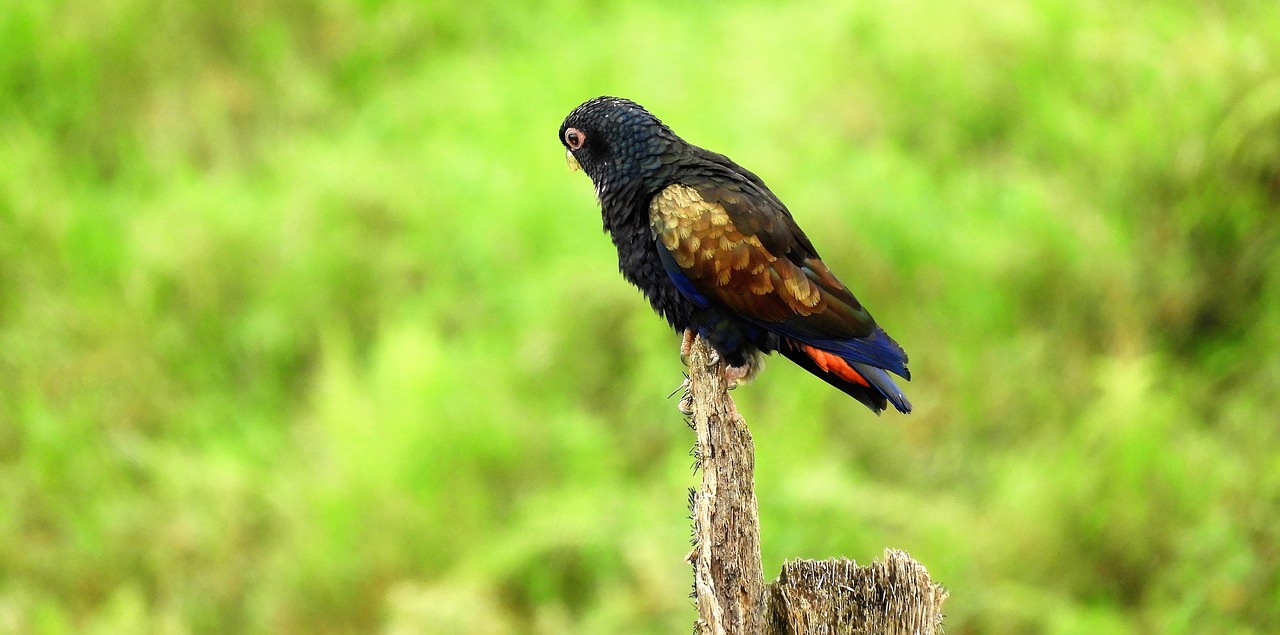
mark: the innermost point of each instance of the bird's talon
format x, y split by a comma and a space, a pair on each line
686, 345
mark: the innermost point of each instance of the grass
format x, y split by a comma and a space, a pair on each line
304, 327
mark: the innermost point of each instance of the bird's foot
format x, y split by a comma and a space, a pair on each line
738, 375
686, 345
686, 349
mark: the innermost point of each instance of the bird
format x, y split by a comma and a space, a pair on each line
720, 257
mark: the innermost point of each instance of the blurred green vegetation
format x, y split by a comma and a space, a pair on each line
305, 328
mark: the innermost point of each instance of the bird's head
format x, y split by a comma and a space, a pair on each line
616, 142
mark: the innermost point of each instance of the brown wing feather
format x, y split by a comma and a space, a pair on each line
743, 258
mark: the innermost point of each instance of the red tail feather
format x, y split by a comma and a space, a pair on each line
835, 365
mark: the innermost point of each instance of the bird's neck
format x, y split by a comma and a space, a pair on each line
624, 206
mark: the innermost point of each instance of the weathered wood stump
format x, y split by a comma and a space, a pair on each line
895, 595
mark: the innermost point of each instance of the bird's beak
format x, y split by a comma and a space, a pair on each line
574, 166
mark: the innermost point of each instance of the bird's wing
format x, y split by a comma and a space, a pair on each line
724, 242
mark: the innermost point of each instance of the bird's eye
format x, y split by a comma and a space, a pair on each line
574, 138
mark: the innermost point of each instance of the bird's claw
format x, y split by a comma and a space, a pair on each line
734, 375
686, 345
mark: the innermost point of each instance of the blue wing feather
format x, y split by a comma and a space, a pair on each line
678, 278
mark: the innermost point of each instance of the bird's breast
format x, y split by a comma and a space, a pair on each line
640, 264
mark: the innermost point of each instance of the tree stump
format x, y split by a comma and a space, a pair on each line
895, 595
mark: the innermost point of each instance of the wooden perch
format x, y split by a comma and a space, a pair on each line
828, 596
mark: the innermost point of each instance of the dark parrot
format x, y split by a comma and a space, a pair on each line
719, 256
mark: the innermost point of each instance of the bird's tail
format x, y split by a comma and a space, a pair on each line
868, 384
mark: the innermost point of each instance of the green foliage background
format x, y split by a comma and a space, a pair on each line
305, 328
